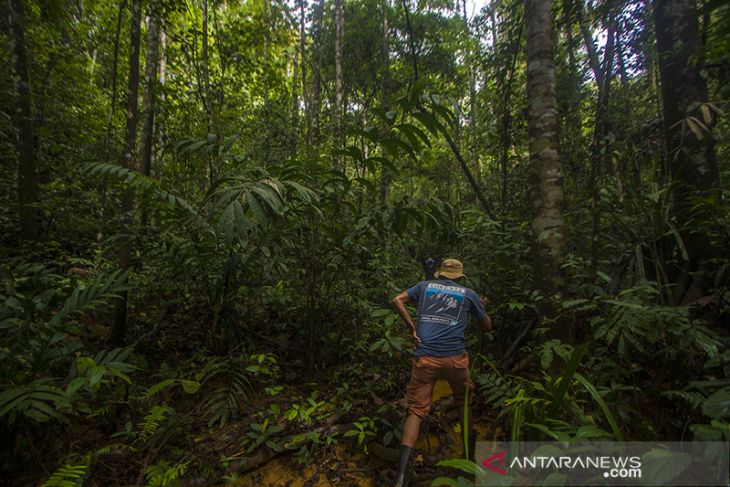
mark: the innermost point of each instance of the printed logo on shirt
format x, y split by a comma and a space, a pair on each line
442, 303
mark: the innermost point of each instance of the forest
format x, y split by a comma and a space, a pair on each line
207, 206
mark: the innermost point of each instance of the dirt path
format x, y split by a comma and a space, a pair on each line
347, 464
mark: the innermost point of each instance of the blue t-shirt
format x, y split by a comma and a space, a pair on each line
443, 307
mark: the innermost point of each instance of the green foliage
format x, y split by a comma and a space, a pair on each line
230, 382
364, 428
164, 474
262, 434
67, 476
39, 401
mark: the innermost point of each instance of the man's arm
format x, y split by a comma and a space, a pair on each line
486, 322
399, 302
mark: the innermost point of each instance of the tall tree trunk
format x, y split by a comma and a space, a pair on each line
108, 136
472, 100
148, 100
119, 327
691, 152
546, 176
208, 100
23, 120
303, 61
505, 90
295, 105
338, 110
159, 129
386, 178
599, 147
266, 52
317, 27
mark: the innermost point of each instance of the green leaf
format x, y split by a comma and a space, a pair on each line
602, 404
718, 404
463, 465
190, 386
660, 467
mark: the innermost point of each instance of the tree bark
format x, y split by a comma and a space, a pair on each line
472, 101
303, 62
148, 99
546, 177
386, 178
691, 153
159, 129
124, 260
338, 110
599, 147
208, 99
23, 120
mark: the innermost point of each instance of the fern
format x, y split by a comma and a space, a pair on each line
67, 476
163, 475
189, 386
114, 447
226, 400
88, 297
40, 401
157, 416
694, 399
144, 186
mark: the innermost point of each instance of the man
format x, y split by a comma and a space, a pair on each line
443, 306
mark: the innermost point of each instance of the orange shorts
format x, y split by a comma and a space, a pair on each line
427, 370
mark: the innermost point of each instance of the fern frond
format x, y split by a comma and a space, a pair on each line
39, 401
94, 294
154, 419
67, 476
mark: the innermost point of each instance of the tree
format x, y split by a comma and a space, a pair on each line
148, 99
688, 119
124, 260
546, 177
23, 120
338, 109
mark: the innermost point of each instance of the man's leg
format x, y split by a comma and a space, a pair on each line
411, 428
418, 395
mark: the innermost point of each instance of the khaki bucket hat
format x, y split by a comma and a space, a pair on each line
450, 268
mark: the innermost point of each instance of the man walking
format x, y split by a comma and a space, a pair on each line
443, 306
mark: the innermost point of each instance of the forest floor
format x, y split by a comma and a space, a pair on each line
345, 463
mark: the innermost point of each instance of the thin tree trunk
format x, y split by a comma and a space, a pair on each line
119, 327
27, 181
505, 91
546, 178
159, 128
303, 61
472, 101
338, 110
691, 153
317, 83
148, 100
208, 100
600, 151
115, 63
295, 106
386, 178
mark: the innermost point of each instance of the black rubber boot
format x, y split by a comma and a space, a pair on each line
404, 468
472, 442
